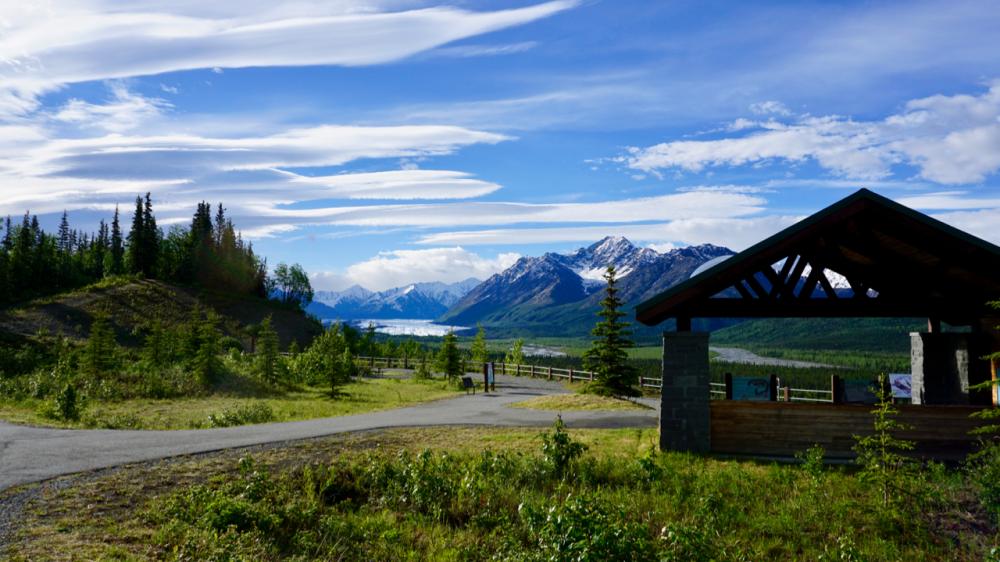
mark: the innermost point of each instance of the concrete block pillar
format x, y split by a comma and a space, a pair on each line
944, 366
684, 408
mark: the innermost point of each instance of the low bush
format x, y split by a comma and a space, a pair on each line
245, 414
379, 505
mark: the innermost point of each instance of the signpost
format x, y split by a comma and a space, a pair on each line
900, 384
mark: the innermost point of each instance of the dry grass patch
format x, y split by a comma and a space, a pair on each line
565, 402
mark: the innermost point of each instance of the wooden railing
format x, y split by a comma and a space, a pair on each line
513, 369
717, 390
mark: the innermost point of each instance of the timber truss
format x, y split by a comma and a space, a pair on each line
865, 256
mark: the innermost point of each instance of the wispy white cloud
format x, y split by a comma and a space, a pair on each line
982, 223
45, 167
950, 200
735, 233
466, 51
124, 111
709, 205
948, 139
770, 107
83, 40
401, 267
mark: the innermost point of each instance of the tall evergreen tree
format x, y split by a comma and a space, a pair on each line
116, 253
64, 235
449, 359
133, 253
268, 352
150, 238
478, 349
607, 358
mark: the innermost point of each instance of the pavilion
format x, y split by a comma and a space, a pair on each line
864, 256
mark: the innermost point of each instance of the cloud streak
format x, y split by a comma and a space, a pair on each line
80, 41
947, 139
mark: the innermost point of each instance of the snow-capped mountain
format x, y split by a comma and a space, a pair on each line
591, 262
415, 301
534, 285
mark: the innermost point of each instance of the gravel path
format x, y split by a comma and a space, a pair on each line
737, 355
32, 454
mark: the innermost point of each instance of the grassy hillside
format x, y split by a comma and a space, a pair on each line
132, 304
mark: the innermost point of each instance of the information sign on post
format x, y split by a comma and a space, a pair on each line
490, 380
900, 384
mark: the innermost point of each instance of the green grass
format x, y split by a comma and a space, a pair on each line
380, 498
186, 413
577, 402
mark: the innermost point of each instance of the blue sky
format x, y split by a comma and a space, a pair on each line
388, 142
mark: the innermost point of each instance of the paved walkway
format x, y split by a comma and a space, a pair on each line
31, 454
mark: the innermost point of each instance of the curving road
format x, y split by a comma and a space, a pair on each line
32, 454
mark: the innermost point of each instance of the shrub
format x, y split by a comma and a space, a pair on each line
68, 403
585, 529
559, 450
812, 462
984, 472
255, 412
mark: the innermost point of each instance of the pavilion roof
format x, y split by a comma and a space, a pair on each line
892, 261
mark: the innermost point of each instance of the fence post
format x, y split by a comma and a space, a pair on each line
371, 363
728, 379
571, 375
787, 391
549, 375
835, 388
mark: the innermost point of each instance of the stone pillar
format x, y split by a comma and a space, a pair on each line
684, 408
944, 365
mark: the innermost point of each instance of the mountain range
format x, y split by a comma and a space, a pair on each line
553, 294
425, 301
559, 294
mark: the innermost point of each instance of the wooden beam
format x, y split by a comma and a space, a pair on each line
793, 278
955, 312
743, 290
757, 288
825, 283
783, 275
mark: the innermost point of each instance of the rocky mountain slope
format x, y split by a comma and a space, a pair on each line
561, 292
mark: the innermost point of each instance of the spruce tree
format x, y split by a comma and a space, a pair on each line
607, 358
99, 355
449, 360
268, 351
478, 350
134, 258
116, 256
150, 238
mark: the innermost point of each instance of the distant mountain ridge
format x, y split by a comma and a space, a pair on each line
423, 301
560, 293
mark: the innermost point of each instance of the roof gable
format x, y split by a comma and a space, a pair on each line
897, 262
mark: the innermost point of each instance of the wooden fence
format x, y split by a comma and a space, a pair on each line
717, 390
783, 429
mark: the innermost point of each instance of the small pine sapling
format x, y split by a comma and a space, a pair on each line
880, 454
